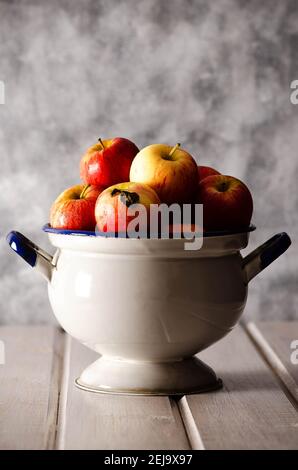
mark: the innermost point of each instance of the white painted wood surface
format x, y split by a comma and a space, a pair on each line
29, 385
274, 343
252, 411
280, 336
100, 421
40, 407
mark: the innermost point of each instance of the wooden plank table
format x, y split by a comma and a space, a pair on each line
40, 407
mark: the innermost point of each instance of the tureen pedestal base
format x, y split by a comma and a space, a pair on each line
148, 378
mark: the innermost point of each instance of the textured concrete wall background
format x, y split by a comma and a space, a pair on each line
214, 75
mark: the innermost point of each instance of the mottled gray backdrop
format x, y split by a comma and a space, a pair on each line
214, 75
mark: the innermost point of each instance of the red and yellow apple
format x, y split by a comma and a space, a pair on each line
108, 162
227, 203
170, 171
74, 208
112, 206
204, 171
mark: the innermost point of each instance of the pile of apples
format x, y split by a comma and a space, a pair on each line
116, 172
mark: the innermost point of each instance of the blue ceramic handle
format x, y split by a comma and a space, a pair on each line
23, 247
31, 253
265, 254
273, 248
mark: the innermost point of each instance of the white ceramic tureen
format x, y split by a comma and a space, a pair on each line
147, 306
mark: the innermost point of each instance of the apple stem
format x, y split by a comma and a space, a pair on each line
101, 143
84, 190
174, 150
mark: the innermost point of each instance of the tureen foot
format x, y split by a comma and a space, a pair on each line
148, 378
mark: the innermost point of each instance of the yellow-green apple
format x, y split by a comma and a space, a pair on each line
170, 171
112, 212
204, 171
108, 162
74, 208
227, 203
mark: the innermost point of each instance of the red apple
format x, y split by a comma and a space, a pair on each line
227, 202
170, 171
108, 162
120, 197
204, 171
74, 208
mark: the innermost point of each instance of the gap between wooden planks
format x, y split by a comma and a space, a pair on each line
101, 421
36, 372
251, 412
274, 343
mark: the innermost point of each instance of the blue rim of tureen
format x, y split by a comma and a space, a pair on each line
47, 228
